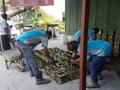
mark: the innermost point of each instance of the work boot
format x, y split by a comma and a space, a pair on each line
42, 81
94, 84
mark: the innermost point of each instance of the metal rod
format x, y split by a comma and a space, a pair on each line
3, 4
83, 43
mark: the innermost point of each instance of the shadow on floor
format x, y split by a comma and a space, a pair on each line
113, 64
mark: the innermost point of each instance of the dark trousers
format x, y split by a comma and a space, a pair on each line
95, 67
5, 42
28, 54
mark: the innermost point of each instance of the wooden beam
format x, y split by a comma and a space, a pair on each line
83, 43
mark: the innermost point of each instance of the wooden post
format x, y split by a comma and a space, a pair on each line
3, 4
83, 43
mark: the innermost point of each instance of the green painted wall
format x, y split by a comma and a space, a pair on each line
72, 15
104, 14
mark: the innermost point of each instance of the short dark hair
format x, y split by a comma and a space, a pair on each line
96, 30
73, 45
4, 15
49, 34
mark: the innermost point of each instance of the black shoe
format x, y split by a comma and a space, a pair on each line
42, 81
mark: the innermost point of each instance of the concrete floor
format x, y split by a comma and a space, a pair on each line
12, 79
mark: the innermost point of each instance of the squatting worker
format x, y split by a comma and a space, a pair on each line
26, 43
91, 34
99, 50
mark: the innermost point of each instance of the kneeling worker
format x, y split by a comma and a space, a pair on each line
99, 50
91, 34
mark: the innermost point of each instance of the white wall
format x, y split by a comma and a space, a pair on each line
56, 9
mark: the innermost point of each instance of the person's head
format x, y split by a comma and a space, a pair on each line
4, 16
49, 34
96, 30
72, 46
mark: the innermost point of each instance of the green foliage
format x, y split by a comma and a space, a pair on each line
62, 27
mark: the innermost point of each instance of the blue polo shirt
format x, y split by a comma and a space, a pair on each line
78, 33
98, 47
34, 37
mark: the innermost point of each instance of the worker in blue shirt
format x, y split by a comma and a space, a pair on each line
91, 34
26, 43
99, 50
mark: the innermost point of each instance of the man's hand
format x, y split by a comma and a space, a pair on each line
47, 54
51, 57
9, 36
73, 61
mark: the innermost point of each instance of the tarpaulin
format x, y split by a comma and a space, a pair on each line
31, 2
